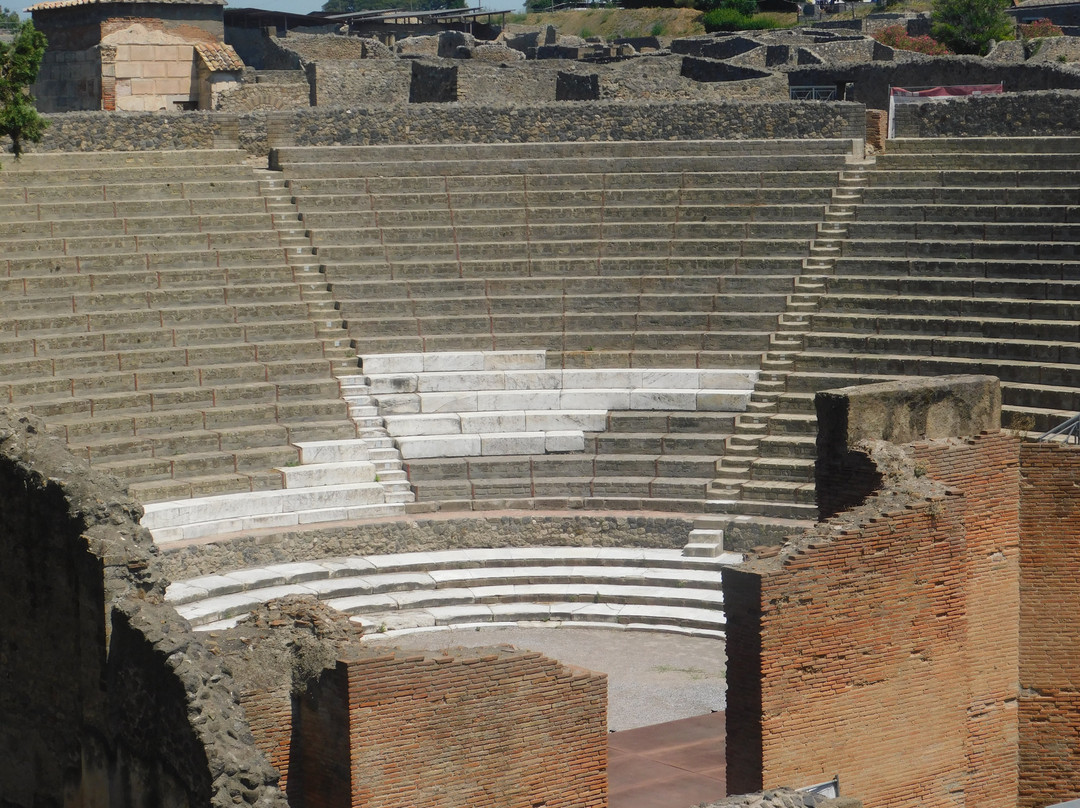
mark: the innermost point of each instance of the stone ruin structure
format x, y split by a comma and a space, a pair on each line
441, 343
147, 56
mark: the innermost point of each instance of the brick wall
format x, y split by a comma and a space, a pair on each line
887, 651
269, 714
488, 727
1049, 624
986, 471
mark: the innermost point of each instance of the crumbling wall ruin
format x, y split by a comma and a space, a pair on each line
882, 645
107, 697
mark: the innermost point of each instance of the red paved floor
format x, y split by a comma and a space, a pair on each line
666, 765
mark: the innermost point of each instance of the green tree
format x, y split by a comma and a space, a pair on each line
348, 6
969, 26
9, 20
19, 64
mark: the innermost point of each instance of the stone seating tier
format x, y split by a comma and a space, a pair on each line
561, 149
565, 211
948, 260
162, 320
633, 588
458, 406
325, 481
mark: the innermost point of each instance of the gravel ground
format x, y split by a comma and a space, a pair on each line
652, 677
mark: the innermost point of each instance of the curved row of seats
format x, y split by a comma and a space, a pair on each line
162, 322
648, 589
962, 256
672, 254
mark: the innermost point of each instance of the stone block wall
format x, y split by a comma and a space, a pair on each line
1050, 113
469, 727
584, 120
447, 123
154, 76
1049, 624
69, 80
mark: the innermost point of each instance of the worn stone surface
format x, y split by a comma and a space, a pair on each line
1050, 113
909, 409
448, 123
409, 535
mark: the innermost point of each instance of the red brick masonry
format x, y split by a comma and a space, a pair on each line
493, 727
1049, 624
887, 648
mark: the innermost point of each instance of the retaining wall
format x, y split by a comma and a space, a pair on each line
449, 123
1048, 114
409, 535
104, 691
872, 81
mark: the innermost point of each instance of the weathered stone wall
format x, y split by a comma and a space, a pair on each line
408, 535
467, 727
1044, 114
366, 81
448, 123
250, 97
872, 81
600, 120
105, 692
881, 645
69, 80
362, 82
899, 412
1049, 624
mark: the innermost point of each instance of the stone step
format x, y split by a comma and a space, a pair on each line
561, 178
150, 161
639, 163
181, 520
985, 145
557, 149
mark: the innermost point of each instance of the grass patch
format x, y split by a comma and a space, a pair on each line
611, 23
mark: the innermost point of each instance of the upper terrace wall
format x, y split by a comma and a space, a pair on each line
1049, 113
882, 645
448, 123
107, 697
872, 81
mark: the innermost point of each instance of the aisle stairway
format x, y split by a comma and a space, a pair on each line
962, 256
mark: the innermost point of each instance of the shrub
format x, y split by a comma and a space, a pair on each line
896, 36
969, 26
727, 19
657, 29
1039, 28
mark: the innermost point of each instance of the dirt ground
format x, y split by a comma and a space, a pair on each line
652, 677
